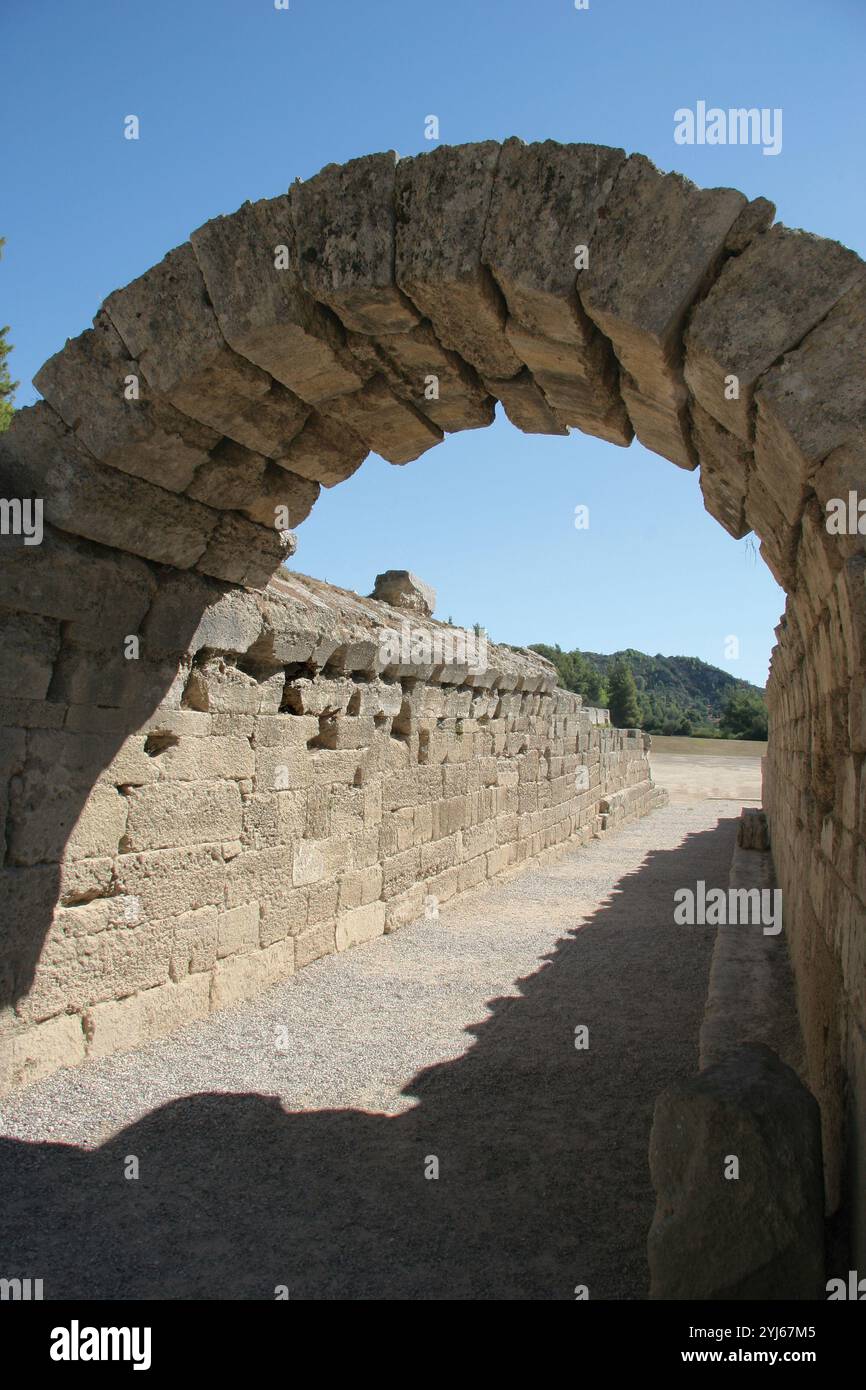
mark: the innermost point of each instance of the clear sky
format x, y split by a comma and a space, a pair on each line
237, 98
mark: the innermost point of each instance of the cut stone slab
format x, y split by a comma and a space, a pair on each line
250, 266
431, 378
167, 322
388, 426
108, 593
234, 479
725, 462
241, 552
544, 206
843, 472
442, 200
326, 451
757, 1236
661, 425
101, 504
87, 384
28, 651
403, 589
346, 232
524, 403
761, 306
814, 400
659, 244
753, 831
778, 531
755, 218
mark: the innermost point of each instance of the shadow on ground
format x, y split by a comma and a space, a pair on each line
543, 1178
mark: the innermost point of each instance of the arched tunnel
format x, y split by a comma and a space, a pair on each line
378, 307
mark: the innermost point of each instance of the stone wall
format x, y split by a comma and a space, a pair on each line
314, 775
815, 794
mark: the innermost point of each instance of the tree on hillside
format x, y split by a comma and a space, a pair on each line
8, 387
593, 690
575, 672
744, 715
622, 696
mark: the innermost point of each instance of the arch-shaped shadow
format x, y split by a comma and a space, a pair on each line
544, 1181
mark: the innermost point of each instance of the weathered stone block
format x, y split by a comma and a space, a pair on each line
195, 942
139, 433
543, 208
763, 304
658, 247
38, 1051
238, 929
442, 201
345, 227
86, 498
403, 589
239, 977
263, 309
119, 1026
760, 1235
361, 924
172, 814
168, 325
725, 462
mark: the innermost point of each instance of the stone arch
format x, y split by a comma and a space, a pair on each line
378, 306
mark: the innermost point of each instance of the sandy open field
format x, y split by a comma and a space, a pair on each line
707, 769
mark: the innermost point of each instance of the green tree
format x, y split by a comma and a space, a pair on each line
744, 715
8, 387
622, 696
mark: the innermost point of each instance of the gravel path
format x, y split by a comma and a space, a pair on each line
285, 1141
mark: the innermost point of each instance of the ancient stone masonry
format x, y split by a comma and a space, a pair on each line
304, 784
378, 306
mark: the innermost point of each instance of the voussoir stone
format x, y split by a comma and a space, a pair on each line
101, 504
431, 378
326, 451
814, 400
234, 479
388, 425
442, 200
242, 552
250, 266
761, 306
345, 225
89, 382
168, 324
64, 578
725, 462
659, 244
543, 208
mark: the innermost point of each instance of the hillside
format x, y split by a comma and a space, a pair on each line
677, 694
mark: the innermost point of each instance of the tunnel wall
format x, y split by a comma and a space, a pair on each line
320, 769
815, 796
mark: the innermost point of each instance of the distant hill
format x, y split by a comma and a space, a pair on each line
677, 694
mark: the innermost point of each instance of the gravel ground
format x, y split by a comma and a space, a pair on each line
285, 1141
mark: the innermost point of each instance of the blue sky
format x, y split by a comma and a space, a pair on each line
236, 99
